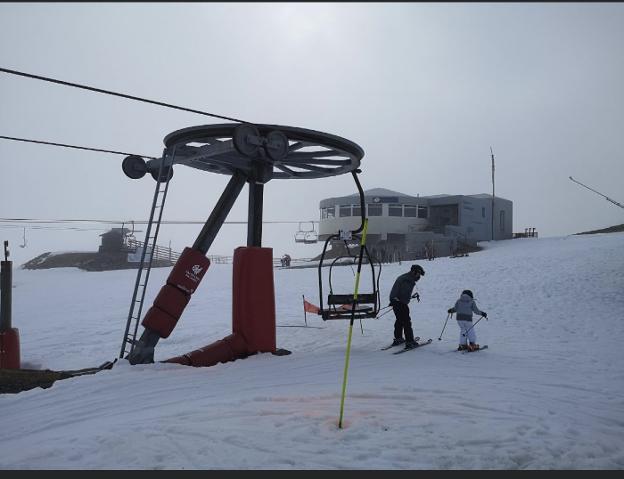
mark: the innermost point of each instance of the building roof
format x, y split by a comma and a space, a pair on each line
116, 231
379, 192
384, 192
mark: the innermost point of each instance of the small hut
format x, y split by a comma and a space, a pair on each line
113, 241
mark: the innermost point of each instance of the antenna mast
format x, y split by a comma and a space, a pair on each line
492, 153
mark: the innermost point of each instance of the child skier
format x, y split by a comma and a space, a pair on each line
464, 307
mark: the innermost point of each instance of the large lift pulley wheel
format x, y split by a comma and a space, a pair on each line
263, 152
285, 152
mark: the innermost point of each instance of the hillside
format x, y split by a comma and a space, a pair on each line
611, 229
88, 261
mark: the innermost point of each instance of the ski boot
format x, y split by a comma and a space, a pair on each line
473, 347
462, 347
398, 341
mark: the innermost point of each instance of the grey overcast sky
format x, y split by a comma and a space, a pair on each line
424, 89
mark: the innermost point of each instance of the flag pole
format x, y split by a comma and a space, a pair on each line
355, 295
305, 316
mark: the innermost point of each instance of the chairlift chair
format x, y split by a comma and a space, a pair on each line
366, 305
307, 236
310, 238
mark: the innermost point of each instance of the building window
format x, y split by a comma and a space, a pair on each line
409, 211
345, 210
483, 212
357, 210
374, 209
502, 220
395, 210
422, 212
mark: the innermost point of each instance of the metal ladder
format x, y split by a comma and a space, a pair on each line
145, 265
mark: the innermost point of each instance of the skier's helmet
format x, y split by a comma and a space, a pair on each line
417, 269
468, 292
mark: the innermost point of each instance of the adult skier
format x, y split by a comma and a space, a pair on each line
400, 296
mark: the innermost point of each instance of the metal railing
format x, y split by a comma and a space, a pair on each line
160, 252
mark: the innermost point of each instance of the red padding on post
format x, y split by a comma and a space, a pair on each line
227, 349
172, 300
188, 270
159, 321
10, 349
253, 298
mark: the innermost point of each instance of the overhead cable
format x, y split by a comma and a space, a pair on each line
122, 95
73, 146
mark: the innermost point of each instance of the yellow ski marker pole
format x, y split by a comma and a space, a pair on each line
355, 294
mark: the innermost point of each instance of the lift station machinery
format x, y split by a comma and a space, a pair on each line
251, 154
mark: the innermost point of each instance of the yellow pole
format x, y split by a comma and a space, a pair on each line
355, 294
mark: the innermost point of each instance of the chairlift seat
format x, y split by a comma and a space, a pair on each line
360, 312
310, 239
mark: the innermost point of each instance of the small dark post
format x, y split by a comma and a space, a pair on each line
5, 290
492, 153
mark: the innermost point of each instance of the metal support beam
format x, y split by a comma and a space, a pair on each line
254, 214
219, 213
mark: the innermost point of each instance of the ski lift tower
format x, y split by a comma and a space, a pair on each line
253, 155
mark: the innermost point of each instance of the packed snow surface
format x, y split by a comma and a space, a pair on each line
548, 393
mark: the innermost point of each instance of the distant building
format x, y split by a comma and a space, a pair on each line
113, 241
118, 250
402, 226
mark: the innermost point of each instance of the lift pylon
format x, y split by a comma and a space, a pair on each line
253, 155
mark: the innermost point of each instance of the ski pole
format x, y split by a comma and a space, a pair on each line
447, 318
385, 312
464, 334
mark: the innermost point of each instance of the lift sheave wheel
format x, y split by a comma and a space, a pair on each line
286, 151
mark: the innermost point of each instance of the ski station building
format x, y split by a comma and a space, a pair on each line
403, 227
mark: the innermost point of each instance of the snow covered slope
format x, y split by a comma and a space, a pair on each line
547, 394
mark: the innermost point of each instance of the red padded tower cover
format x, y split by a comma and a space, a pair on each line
253, 312
230, 348
188, 270
10, 349
253, 298
183, 280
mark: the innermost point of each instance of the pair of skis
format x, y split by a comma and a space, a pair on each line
418, 345
424, 343
464, 351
